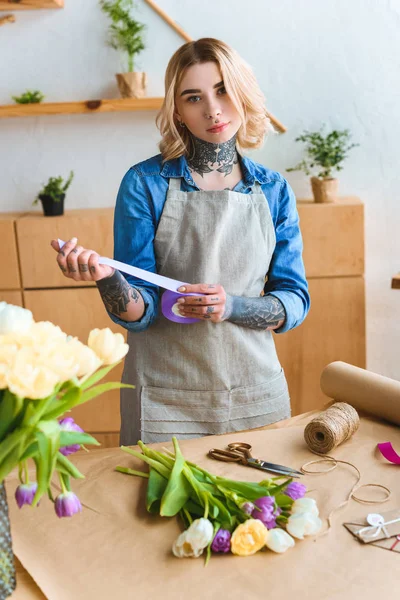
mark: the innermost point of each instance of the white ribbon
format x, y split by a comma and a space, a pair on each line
377, 522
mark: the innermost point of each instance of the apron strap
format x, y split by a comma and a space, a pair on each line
256, 188
174, 183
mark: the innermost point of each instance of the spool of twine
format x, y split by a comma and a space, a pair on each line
325, 432
331, 428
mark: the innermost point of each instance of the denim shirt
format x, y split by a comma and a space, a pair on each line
138, 210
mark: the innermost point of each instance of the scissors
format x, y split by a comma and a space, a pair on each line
241, 452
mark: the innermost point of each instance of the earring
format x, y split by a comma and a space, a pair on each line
182, 124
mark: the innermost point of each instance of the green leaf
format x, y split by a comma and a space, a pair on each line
97, 375
70, 399
69, 438
177, 491
155, 490
11, 412
47, 435
100, 389
66, 467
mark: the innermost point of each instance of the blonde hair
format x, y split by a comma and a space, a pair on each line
240, 84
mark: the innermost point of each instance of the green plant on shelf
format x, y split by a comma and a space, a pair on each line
324, 152
55, 188
125, 34
29, 97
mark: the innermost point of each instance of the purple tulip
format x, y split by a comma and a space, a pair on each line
247, 507
295, 490
25, 493
68, 424
67, 504
265, 511
221, 541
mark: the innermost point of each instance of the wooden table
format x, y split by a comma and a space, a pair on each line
26, 586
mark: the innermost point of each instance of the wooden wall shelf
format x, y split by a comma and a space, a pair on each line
74, 108
30, 4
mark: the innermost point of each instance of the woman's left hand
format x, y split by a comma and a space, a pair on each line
211, 306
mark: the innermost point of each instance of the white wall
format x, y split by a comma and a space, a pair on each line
334, 61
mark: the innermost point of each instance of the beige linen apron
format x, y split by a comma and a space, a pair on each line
206, 378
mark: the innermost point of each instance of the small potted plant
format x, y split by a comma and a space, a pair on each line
325, 153
125, 35
52, 195
29, 97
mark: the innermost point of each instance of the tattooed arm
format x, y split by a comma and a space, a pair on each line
266, 312
120, 298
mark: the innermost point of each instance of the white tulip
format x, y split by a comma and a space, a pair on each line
302, 524
14, 319
278, 540
305, 505
200, 533
182, 548
194, 540
110, 347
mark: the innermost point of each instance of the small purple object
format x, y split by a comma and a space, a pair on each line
295, 490
67, 505
25, 493
168, 301
221, 541
265, 511
68, 424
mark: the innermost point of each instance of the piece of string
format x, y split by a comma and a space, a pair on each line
329, 429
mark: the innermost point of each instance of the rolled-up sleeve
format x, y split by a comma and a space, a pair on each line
134, 231
286, 275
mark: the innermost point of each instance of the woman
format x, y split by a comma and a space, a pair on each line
203, 213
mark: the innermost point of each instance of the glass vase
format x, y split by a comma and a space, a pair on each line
7, 566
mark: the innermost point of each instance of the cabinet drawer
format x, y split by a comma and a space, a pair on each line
10, 278
333, 236
39, 269
14, 297
77, 311
333, 330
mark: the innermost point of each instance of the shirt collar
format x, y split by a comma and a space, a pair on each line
178, 167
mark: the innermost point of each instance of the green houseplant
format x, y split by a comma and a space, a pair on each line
52, 195
125, 35
324, 154
29, 97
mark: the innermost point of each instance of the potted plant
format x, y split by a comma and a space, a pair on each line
125, 35
29, 97
52, 195
326, 153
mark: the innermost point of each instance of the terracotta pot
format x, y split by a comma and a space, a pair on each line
324, 189
7, 566
51, 207
132, 85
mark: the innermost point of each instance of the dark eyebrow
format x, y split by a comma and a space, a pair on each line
217, 85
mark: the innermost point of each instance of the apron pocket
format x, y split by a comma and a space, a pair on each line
183, 412
259, 405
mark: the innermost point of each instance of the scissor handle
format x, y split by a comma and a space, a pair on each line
227, 456
242, 447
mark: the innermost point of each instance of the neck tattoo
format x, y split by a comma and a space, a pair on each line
208, 157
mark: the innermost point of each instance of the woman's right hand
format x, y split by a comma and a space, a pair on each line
80, 264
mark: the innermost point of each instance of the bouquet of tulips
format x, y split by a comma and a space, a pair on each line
223, 515
44, 373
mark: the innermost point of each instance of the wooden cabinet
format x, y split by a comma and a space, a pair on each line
92, 227
334, 329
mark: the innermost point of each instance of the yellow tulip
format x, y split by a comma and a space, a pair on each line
248, 537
